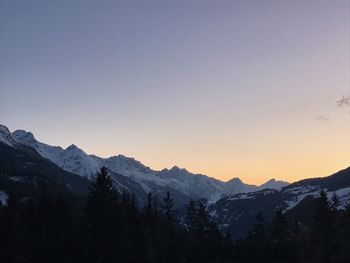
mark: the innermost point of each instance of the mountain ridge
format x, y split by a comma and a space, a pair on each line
232, 205
236, 213
75, 160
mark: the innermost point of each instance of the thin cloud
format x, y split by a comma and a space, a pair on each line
322, 118
344, 102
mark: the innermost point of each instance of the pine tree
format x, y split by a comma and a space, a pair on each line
167, 208
256, 247
150, 217
103, 220
335, 202
283, 247
342, 254
190, 218
11, 247
279, 231
205, 243
258, 233
149, 212
322, 229
168, 249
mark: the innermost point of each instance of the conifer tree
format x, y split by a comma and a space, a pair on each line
322, 229
258, 233
190, 218
335, 202
11, 249
256, 247
149, 210
279, 231
283, 249
103, 220
167, 208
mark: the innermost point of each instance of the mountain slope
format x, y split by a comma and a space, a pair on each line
237, 213
23, 171
71, 159
7, 137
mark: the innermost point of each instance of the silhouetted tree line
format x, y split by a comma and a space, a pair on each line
109, 227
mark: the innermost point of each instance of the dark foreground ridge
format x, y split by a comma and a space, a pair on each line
110, 227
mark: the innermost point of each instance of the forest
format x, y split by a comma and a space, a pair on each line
112, 227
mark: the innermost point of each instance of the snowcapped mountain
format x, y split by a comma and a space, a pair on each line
71, 159
194, 185
235, 185
177, 180
273, 184
232, 204
7, 137
23, 171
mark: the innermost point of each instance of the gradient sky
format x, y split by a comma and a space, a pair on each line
243, 89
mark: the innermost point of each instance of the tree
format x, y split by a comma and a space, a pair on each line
169, 248
335, 202
149, 210
190, 218
342, 254
279, 231
150, 217
103, 220
167, 208
283, 247
11, 225
205, 243
256, 248
258, 233
322, 229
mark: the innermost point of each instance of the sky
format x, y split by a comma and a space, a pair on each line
249, 89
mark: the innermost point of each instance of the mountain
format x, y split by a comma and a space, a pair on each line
236, 213
71, 159
273, 184
7, 137
24, 172
130, 174
26, 164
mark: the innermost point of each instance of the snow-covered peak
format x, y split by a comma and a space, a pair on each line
24, 135
273, 184
50, 152
175, 171
7, 137
235, 185
73, 149
125, 165
71, 159
75, 160
177, 168
27, 138
235, 180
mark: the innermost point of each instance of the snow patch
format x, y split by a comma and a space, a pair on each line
3, 197
302, 192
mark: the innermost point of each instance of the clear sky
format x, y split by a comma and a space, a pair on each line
243, 89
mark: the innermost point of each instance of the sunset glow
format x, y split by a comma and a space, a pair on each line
223, 88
